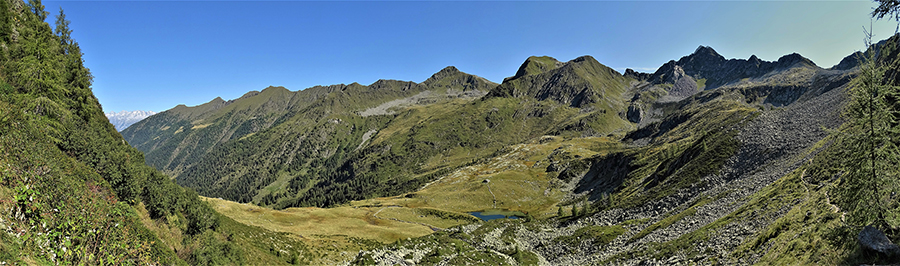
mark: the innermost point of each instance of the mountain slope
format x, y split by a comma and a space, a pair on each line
752, 171
358, 142
207, 147
73, 191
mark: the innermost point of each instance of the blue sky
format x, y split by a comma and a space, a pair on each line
153, 55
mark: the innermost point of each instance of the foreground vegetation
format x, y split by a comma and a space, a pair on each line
73, 191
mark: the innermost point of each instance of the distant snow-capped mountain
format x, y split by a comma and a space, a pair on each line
123, 119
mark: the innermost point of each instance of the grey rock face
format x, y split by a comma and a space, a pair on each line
874, 240
634, 114
640, 76
849, 62
706, 63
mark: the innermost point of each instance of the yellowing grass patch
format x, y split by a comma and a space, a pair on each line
315, 223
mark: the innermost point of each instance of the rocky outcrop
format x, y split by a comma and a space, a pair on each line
682, 85
635, 114
705, 63
849, 62
639, 76
450, 77
873, 240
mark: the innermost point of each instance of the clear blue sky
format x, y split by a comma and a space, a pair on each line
150, 55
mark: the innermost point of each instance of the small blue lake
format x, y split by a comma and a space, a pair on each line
497, 214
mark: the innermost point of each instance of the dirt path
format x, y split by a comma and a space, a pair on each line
494, 202
835, 208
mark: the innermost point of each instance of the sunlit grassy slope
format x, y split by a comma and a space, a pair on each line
327, 146
517, 181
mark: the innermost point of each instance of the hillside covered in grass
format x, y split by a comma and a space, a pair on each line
73, 191
324, 146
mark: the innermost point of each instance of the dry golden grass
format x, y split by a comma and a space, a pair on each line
319, 223
414, 215
201, 126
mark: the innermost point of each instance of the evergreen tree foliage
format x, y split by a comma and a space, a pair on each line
585, 206
871, 136
889, 8
76, 185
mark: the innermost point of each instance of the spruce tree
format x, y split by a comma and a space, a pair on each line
871, 153
38, 9
585, 206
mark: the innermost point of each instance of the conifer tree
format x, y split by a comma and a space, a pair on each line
38, 9
585, 206
872, 132
559, 212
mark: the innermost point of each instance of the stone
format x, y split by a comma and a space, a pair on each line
873, 239
635, 114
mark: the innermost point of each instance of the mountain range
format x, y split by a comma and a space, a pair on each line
705, 161
677, 165
121, 120
306, 144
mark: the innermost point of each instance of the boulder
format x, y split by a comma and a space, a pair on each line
635, 114
873, 239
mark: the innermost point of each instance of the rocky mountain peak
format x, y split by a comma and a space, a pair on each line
754, 60
706, 64
704, 53
536, 65
663, 73
450, 77
631, 73
584, 58
444, 73
577, 83
849, 62
792, 59
704, 59
447, 71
